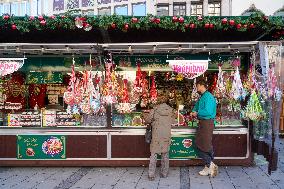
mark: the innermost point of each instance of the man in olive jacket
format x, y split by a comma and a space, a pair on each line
205, 111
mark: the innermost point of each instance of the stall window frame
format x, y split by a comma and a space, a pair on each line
139, 3
214, 3
121, 6
160, 5
104, 8
179, 5
196, 8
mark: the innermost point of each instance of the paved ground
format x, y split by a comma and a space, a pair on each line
133, 177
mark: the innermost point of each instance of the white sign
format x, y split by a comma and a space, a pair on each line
189, 68
10, 65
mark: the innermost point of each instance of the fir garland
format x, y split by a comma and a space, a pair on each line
126, 23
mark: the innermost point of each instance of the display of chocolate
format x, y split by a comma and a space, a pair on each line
65, 119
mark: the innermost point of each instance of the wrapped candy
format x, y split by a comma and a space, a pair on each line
153, 92
194, 94
237, 91
220, 89
253, 110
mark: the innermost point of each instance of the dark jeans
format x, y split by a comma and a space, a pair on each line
207, 157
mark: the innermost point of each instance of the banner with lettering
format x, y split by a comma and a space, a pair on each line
189, 68
10, 65
41, 147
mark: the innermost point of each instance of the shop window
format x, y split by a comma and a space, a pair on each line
117, 1
179, 9
45, 7
139, 9
196, 9
14, 9
6, 9
163, 10
58, 5
121, 10
23, 10
28, 12
88, 12
104, 11
88, 3
72, 4
1, 9
100, 2
214, 8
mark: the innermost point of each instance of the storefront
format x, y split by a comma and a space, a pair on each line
81, 104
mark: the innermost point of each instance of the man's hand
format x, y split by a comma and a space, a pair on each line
193, 114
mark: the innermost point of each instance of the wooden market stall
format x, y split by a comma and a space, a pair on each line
112, 136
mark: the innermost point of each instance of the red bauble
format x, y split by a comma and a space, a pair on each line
211, 26
157, 20
224, 21
6, 17
252, 26
239, 26
63, 16
126, 26
43, 22
31, 18
134, 20
232, 22
113, 25
199, 18
52, 17
181, 19
40, 18
207, 25
175, 19
14, 27
192, 26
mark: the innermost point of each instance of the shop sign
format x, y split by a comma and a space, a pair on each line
182, 147
41, 147
189, 68
10, 65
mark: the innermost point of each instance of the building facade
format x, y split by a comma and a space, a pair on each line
119, 7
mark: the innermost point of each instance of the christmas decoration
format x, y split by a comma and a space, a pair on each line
110, 86
220, 88
153, 92
194, 94
253, 110
73, 95
68, 22
237, 91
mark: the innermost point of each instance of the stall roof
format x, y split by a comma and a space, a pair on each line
54, 49
119, 29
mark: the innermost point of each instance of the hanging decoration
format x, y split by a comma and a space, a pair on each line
73, 95
125, 106
145, 92
153, 91
110, 86
220, 88
237, 91
194, 94
273, 91
253, 110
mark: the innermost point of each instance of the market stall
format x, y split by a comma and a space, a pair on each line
82, 104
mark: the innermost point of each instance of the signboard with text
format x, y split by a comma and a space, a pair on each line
41, 147
183, 147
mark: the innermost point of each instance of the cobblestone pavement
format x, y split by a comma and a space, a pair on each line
136, 177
